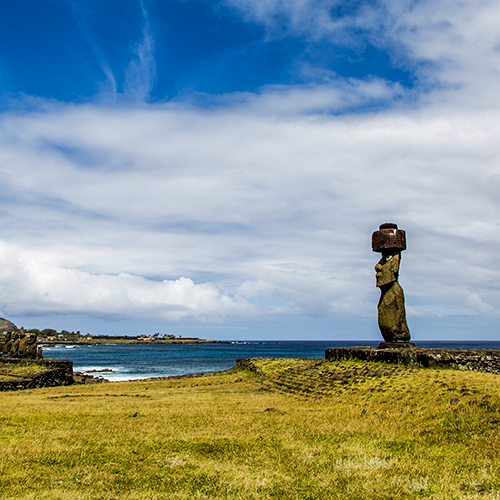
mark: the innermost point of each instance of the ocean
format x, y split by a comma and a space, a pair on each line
140, 361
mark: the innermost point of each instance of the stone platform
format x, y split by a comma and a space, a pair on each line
463, 359
55, 372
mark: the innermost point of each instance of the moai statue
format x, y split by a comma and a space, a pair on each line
390, 242
31, 351
14, 348
23, 343
39, 353
7, 344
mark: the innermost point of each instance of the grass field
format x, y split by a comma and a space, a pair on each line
306, 429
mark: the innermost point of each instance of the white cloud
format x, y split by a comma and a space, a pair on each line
276, 210
314, 19
35, 283
338, 96
141, 72
446, 43
476, 303
456, 45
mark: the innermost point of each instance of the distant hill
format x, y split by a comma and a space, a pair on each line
5, 324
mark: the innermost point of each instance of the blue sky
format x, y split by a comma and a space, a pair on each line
216, 168
72, 51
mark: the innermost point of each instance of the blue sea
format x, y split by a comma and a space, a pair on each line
132, 362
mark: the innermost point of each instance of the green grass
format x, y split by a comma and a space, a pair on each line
307, 429
10, 372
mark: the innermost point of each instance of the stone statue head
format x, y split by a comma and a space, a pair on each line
387, 269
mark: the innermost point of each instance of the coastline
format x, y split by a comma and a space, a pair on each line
134, 360
133, 341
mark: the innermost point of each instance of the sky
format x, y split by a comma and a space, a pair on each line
215, 168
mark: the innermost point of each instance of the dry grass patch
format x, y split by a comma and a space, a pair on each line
307, 429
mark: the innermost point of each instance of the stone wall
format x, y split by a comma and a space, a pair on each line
58, 372
248, 364
462, 359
